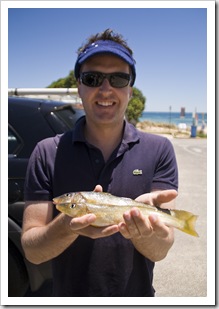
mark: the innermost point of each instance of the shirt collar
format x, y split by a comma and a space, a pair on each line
78, 132
130, 134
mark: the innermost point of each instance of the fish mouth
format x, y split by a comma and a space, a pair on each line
55, 200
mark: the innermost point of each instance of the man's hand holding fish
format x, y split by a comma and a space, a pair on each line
82, 226
149, 235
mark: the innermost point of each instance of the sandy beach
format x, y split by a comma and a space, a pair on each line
172, 130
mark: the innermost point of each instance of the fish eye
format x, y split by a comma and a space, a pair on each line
73, 206
67, 194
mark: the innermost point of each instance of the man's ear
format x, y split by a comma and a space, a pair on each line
78, 86
130, 92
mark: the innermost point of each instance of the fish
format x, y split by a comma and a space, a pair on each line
109, 210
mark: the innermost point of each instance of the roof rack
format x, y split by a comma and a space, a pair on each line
61, 94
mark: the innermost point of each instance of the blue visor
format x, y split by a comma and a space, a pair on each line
105, 47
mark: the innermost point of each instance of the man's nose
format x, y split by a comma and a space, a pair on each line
105, 85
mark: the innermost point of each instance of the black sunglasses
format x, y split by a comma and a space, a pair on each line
95, 79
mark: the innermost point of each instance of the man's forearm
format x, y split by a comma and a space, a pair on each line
43, 243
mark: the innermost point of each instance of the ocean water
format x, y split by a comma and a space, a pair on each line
174, 118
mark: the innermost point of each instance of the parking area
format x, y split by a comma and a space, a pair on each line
183, 273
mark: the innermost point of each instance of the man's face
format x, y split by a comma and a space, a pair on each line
105, 104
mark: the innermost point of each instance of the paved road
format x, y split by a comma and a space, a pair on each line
183, 273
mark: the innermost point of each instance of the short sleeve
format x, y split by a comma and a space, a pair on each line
38, 181
166, 170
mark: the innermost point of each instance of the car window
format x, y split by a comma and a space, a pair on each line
70, 115
14, 142
67, 116
64, 119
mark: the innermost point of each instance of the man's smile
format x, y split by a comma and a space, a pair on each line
105, 103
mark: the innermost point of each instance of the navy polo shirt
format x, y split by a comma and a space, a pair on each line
141, 163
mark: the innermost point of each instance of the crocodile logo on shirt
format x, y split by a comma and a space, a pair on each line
137, 172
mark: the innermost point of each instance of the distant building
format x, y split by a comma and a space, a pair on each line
182, 112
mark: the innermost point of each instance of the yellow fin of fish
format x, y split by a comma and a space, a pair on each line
189, 221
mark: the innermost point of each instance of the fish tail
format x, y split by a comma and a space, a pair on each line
188, 219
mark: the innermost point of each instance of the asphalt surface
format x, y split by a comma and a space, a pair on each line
183, 273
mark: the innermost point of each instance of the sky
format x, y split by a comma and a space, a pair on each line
169, 45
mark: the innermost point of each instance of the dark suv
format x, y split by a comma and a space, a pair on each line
29, 121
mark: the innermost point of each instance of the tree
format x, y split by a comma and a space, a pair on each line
66, 82
135, 107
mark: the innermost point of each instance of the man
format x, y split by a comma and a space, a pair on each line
100, 153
